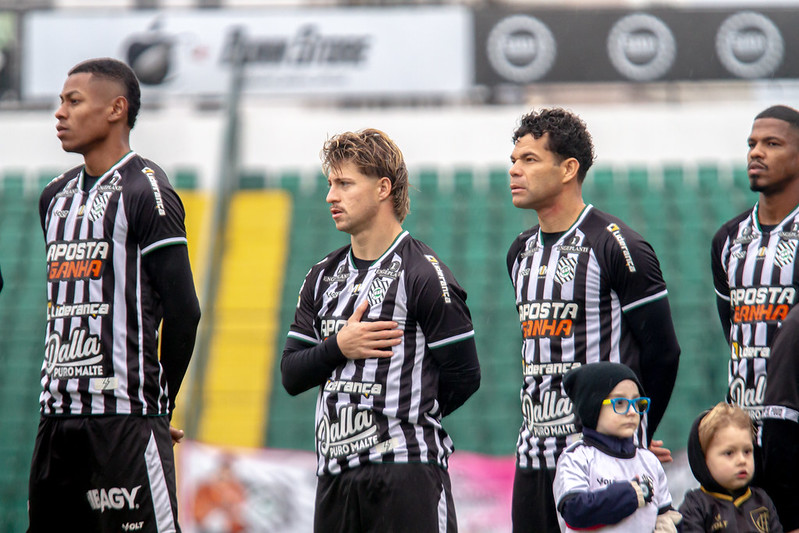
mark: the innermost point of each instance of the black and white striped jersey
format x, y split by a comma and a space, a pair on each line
755, 270
383, 410
101, 346
571, 296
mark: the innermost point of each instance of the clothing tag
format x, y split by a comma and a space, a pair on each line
101, 384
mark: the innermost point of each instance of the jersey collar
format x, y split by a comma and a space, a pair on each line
379, 260
124, 159
576, 223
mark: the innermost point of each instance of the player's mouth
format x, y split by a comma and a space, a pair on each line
60, 130
755, 168
336, 212
743, 474
515, 189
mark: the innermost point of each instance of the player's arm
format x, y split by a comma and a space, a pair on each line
459, 376
721, 283
447, 324
653, 329
170, 274
306, 364
637, 279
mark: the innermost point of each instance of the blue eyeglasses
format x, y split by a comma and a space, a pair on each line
622, 405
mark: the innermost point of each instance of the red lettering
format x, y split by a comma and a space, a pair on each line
547, 328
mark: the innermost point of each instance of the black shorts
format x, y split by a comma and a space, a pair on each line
533, 509
104, 473
386, 498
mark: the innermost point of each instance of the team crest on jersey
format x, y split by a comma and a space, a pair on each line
760, 518
786, 251
565, 270
378, 290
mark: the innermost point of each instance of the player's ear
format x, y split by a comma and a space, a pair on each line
119, 109
384, 188
570, 168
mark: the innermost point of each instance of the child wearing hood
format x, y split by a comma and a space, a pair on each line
720, 448
605, 482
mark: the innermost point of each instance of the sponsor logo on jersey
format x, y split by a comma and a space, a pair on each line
749, 352
92, 309
748, 398
353, 432
366, 388
615, 230
761, 304
547, 369
76, 260
566, 269
547, 318
739, 254
719, 524
114, 498
745, 237
66, 193
132, 526
793, 234
331, 326
341, 275
159, 201
441, 279
393, 271
553, 416
574, 247
786, 251
531, 248
61, 213
79, 356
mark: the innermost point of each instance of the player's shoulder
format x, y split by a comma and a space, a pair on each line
731, 226
419, 258
603, 225
331, 259
141, 173
59, 182
519, 243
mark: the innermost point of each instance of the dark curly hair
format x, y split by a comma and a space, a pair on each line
119, 72
568, 136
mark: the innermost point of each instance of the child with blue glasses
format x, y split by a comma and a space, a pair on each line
605, 481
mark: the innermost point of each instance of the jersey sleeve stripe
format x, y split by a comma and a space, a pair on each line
451, 340
162, 243
644, 301
303, 338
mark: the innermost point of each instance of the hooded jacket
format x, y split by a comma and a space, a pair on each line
712, 508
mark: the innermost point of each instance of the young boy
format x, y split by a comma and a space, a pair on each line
720, 452
605, 482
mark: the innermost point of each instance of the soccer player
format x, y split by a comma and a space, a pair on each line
383, 331
117, 270
588, 289
753, 259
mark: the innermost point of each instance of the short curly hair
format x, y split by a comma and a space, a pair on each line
374, 154
568, 135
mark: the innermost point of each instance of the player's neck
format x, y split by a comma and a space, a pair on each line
560, 216
773, 208
373, 242
102, 157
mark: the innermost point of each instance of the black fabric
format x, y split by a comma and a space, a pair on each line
652, 327
753, 512
391, 498
607, 506
304, 367
588, 385
610, 445
89, 474
780, 477
459, 374
170, 274
533, 508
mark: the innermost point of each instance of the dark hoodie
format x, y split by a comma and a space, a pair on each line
712, 508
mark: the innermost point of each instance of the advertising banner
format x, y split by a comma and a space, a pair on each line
224, 490
615, 45
338, 52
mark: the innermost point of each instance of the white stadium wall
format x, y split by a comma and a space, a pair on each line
279, 137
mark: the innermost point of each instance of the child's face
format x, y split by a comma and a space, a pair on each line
729, 457
614, 424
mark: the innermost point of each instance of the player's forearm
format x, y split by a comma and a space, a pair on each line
177, 346
303, 368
